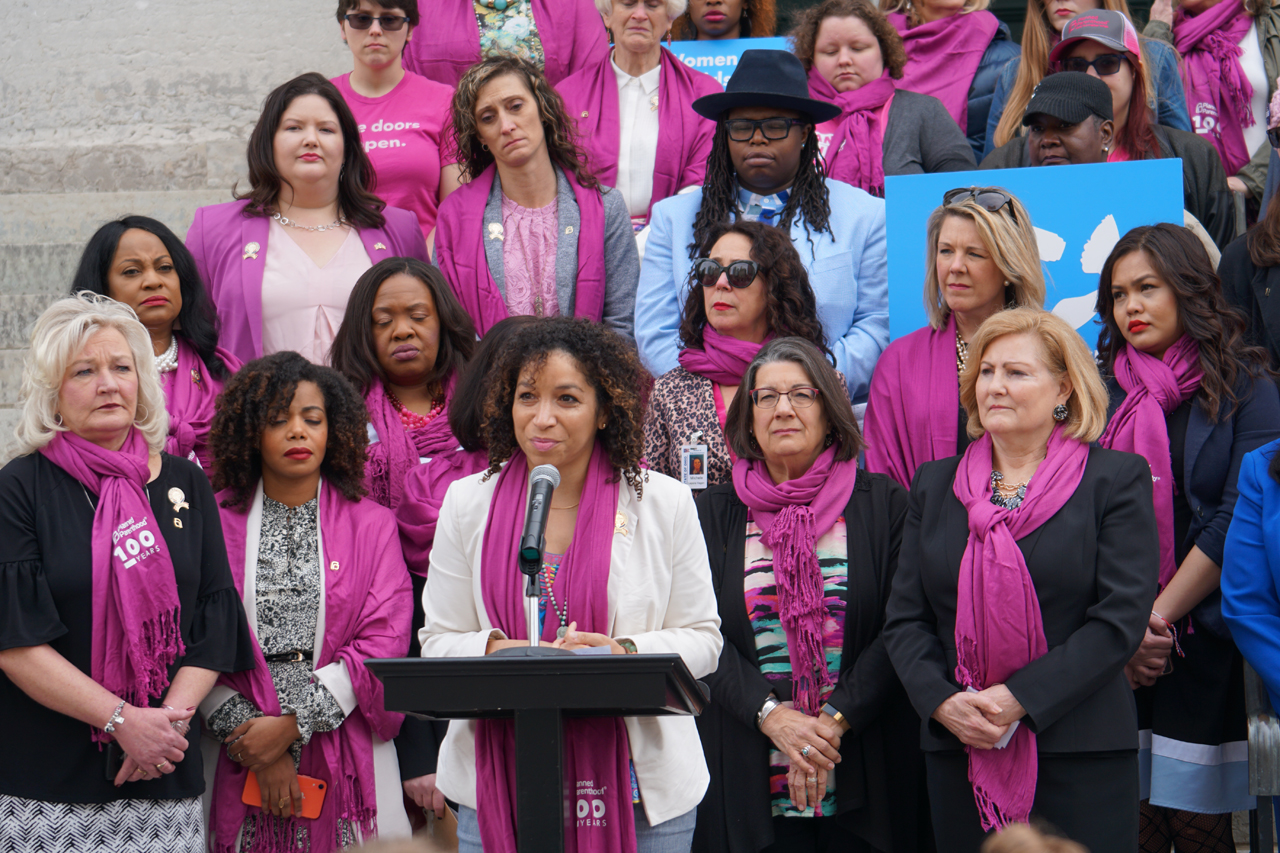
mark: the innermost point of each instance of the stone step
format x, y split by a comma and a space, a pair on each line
127, 167
36, 218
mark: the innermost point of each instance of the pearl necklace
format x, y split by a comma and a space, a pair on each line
167, 361
962, 353
337, 223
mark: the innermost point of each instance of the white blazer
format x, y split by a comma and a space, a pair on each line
660, 597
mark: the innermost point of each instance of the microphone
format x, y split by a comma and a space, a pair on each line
543, 481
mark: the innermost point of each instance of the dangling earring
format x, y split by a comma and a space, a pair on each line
1010, 299
57, 418
139, 418
610, 32
484, 147
1060, 412
830, 440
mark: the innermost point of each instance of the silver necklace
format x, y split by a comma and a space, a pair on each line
167, 361
284, 220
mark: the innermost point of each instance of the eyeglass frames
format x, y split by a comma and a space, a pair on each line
390, 23
743, 129
801, 397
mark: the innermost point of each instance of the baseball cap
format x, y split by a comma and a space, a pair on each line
1101, 25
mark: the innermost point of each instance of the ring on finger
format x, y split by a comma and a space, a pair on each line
284, 801
804, 753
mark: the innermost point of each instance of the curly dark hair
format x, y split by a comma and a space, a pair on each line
791, 309
260, 391
557, 126
1180, 260
607, 361
356, 199
354, 353
804, 35
466, 409
759, 18
196, 322
808, 196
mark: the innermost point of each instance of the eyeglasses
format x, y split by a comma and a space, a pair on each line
706, 272
801, 397
744, 129
390, 23
1106, 64
988, 198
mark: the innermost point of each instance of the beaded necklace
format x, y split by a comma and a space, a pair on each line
410, 419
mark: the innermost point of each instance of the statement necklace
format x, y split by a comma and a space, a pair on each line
284, 220
1007, 495
167, 361
500, 5
962, 353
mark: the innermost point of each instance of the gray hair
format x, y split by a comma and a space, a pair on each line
59, 335
675, 8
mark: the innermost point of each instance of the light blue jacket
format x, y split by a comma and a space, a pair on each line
848, 273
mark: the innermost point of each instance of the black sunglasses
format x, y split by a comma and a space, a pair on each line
390, 23
1273, 136
743, 129
987, 198
706, 272
1107, 64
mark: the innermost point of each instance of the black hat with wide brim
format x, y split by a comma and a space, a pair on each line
767, 78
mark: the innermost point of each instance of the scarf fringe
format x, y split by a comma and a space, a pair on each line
991, 815
801, 603
1232, 78
378, 476
159, 642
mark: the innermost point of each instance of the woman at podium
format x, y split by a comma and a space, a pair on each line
625, 569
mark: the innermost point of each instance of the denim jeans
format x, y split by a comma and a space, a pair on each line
673, 836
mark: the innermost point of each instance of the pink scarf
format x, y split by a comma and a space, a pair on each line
914, 404
792, 517
1154, 387
424, 489
369, 592
189, 396
1217, 89
397, 450
594, 749
136, 627
684, 137
943, 57
722, 359
998, 624
857, 147
460, 254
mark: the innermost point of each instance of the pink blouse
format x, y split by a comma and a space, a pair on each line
303, 304
529, 258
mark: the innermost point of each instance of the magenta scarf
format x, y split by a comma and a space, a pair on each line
397, 450
460, 240
1211, 74
136, 627
792, 516
998, 624
914, 403
190, 397
722, 359
424, 490
857, 147
367, 592
943, 57
1154, 387
684, 137
594, 749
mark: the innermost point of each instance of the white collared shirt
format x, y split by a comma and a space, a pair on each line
637, 136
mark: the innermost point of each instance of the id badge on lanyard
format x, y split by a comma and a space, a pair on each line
693, 462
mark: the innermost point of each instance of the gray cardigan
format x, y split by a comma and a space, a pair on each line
921, 137
621, 260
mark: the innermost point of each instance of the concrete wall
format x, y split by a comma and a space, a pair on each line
110, 107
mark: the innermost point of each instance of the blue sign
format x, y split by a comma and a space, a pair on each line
719, 58
1079, 214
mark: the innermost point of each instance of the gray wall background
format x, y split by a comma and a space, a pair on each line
112, 107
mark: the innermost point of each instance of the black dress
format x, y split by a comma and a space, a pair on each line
46, 518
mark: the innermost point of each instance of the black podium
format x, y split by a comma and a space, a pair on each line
538, 693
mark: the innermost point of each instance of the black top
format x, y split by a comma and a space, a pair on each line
1095, 566
1176, 424
879, 777
962, 433
46, 580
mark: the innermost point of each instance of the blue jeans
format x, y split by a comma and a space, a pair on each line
672, 836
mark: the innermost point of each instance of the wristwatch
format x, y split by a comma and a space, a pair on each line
835, 714
766, 709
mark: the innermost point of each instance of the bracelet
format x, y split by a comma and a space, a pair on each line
835, 714
1172, 630
628, 646
116, 719
766, 709
179, 726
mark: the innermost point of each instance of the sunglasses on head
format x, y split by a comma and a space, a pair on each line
987, 198
706, 272
390, 23
1106, 64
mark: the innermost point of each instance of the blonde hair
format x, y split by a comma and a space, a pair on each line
59, 335
1062, 350
1009, 238
1021, 838
675, 8
906, 8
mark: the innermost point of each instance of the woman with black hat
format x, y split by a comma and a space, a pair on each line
764, 166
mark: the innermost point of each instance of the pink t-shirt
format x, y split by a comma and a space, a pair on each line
403, 135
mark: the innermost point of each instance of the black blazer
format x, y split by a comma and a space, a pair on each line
878, 778
1095, 566
1256, 292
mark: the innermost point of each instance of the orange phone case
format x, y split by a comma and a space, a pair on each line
312, 794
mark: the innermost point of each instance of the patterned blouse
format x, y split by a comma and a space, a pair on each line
771, 641
683, 403
529, 258
511, 30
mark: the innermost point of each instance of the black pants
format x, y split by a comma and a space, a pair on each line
1091, 798
814, 835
